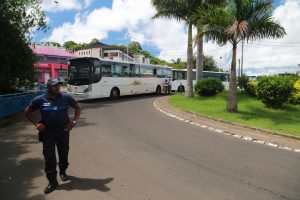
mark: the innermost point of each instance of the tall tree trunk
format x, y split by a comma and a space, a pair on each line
200, 56
232, 101
189, 85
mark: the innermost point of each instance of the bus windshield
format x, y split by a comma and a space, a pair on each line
80, 71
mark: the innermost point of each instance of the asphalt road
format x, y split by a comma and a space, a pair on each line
128, 150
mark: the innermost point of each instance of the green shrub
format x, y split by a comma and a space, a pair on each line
295, 96
274, 90
209, 87
252, 88
243, 82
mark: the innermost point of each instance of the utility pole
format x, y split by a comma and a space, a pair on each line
127, 42
239, 72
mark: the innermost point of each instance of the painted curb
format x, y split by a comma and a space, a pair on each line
212, 129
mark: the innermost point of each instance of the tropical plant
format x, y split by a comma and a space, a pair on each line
240, 20
251, 88
273, 91
181, 10
209, 87
243, 81
295, 96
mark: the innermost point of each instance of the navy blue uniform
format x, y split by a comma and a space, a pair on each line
54, 114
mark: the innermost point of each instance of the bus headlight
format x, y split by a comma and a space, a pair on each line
88, 89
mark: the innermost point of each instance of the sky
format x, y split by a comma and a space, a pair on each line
122, 21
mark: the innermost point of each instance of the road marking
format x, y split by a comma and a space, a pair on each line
272, 144
224, 132
247, 138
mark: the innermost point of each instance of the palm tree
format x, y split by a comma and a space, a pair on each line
197, 20
181, 10
240, 20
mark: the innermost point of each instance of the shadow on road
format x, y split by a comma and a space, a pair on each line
18, 170
77, 183
120, 99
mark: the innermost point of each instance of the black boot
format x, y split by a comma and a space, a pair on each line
63, 176
51, 187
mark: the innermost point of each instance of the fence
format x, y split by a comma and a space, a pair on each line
13, 103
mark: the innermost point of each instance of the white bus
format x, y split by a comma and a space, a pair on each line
180, 76
94, 78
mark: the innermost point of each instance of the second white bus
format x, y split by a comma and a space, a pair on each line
180, 76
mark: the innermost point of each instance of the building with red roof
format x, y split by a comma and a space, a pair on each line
52, 62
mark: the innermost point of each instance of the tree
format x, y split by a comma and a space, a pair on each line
17, 19
209, 64
239, 20
71, 45
94, 41
200, 59
25, 15
181, 10
134, 46
16, 61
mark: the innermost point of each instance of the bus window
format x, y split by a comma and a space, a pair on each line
159, 73
181, 75
106, 69
125, 70
134, 70
146, 72
194, 76
168, 73
117, 70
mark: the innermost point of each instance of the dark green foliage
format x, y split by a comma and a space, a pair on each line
17, 19
16, 58
209, 64
275, 90
252, 88
209, 87
24, 15
243, 81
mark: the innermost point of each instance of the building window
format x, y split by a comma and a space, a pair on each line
105, 54
114, 54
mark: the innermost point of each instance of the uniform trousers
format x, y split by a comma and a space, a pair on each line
55, 137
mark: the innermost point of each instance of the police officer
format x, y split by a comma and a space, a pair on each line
54, 128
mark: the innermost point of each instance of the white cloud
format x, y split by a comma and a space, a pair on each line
170, 38
62, 5
123, 15
133, 17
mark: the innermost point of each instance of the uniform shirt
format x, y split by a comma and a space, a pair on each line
54, 111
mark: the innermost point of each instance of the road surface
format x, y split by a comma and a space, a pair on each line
128, 150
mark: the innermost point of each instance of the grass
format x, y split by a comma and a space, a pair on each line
251, 111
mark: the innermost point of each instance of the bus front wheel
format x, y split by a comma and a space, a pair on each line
115, 93
180, 88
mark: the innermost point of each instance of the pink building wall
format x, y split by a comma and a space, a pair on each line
48, 67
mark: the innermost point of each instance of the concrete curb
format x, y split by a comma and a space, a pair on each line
245, 126
244, 138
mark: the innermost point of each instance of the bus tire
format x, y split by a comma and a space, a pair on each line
158, 90
180, 88
114, 93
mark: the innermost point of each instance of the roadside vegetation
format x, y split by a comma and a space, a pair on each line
273, 103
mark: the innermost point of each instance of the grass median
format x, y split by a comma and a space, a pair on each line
251, 111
